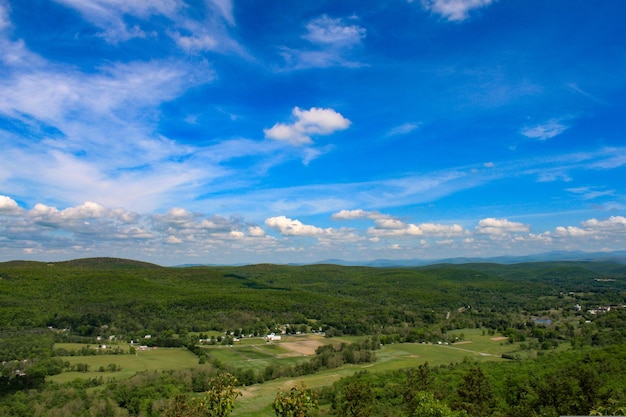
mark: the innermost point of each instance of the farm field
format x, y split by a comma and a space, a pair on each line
257, 354
153, 359
256, 400
415, 308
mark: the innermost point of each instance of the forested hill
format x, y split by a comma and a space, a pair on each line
134, 297
92, 263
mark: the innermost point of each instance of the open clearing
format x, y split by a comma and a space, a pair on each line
257, 354
305, 347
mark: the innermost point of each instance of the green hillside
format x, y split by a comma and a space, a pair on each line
100, 323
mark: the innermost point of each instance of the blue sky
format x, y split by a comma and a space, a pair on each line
225, 131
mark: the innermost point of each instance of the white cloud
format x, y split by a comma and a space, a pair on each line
591, 193
328, 31
394, 228
195, 43
5, 21
454, 10
331, 43
613, 223
290, 227
315, 121
404, 129
8, 205
500, 227
357, 214
570, 231
181, 235
109, 15
544, 131
435, 229
256, 231
386, 226
173, 240
226, 9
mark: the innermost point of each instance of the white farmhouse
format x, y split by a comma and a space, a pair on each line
272, 337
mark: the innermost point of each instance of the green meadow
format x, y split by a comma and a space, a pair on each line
256, 354
153, 359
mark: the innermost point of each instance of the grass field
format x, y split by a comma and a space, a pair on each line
157, 359
256, 354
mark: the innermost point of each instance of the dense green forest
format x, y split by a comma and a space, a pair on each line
565, 323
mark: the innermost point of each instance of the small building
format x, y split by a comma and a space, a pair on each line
272, 337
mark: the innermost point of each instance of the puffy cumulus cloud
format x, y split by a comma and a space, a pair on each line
570, 231
614, 224
391, 224
195, 43
435, 229
290, 227
326, 30
173, 240
315, 121
544, 131
256, 231
454, 10
90, 229
389, 227
8, 205
500, 227
394, 228
611, 231
81, 223
357, 214
76, 215
190, 226
135, 232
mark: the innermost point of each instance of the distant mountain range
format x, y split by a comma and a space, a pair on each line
616, 256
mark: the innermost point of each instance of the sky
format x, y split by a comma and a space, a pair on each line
234, 132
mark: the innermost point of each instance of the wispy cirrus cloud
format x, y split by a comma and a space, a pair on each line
544, 131
337, 33
454, 10
109, 15
404, 129
591, 193
330, 43
122, 21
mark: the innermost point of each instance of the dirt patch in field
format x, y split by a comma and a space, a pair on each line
465, 342
496, 339
305, 347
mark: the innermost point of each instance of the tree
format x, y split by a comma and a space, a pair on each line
357, 398
418, 380
295, 403
475, 392
218, 401
426, 405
